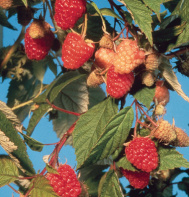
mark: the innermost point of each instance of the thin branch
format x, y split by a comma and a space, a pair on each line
13, 48
62, 110
177, 53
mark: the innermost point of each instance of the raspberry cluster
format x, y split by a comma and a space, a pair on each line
128, 56
75, 51
65, 184
142, 153
67, 12
137, 179
118, 84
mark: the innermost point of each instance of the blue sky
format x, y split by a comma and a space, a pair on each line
177, 108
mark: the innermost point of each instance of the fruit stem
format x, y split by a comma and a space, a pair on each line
13, 189
136, 123
119, 34
13, 48
62, 110
146, 114
50, 11
84, 31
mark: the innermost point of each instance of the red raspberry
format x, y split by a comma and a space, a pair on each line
75, 51
161, 93
142, 153
104, 57
67, 12
65, 184
139, 180
37, 49
128, 56
118, 84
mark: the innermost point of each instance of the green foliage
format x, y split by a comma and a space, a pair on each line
4, 20
41, 187
8, 171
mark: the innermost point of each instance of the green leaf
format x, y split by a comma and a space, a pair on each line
154, 5
20, 153
41, 187
125, 164
50, 169
169, 158
8, 171
110, 185
4, 20
164, 35
108, 12
32, 143
171, 78
145, 95
74, 97
36, 117
112, 137
90, 126
25, 2
141, 15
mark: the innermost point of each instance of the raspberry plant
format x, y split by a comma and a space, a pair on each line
100, 65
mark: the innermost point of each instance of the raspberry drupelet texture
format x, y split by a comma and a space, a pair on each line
37, 49
165, 132
67, 12
142, 153
137, 179
104, 58
65, 184
182, 139
6, 4
128, 56
161, 93
75, 51
117, 85
152, 61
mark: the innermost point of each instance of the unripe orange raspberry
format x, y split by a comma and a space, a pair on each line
38, 28
104, 58
94, 79
139, 180
161, 93
182, 139
164, 132
128, 56
106, 42
6, 4
159, 110
148, 79
152, 61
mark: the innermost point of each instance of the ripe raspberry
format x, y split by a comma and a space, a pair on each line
161, 93
75, 51
65, 184
6, 4
148, 79
94, 79
142, 153
24, 14
118, 84
139, 180
37, 49
67, 12
182, 139
164, 132
152, 61
104, 57
128, 56
106, 42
